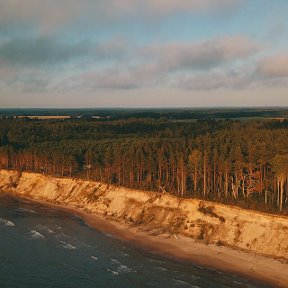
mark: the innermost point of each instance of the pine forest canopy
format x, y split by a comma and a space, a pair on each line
242, 163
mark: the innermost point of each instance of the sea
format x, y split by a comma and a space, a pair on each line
43, 247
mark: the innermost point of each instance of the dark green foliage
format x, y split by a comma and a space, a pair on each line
240, 163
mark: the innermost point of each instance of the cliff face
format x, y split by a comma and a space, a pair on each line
206, 221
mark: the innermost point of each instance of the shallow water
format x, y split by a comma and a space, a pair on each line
44, 247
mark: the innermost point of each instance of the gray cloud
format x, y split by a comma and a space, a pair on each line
221, 63
155, 65
203, 55
122, 78
51, 51
265, 73
38, 51
156, 58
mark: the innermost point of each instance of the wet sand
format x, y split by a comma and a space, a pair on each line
245, 264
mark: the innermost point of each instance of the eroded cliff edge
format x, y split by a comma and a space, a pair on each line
162, 213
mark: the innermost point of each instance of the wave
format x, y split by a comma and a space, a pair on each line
113, 272
115, 261
44, 229
161, 268
36, 235
26, 210
237, 283
67, 245
124, 254
7, 223
71, 241
156, 261
63, 237
185, 284
124, 269
121, 268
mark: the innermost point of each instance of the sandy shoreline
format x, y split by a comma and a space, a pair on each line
248, 265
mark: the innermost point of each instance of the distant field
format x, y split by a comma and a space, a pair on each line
45, 117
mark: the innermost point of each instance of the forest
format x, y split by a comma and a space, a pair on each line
243, 163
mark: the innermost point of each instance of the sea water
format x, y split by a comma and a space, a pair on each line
45, 247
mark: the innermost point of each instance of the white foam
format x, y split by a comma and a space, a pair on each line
115, 261
44, 229
125, 269
94, 258
7, 223
113, 272
161, 268
185, 284
157, 261
121, 268
67, 245
124, 254
71, 241
194, 277
27, 210
36, 235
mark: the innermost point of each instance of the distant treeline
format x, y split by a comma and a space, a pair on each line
156, 113
240, 163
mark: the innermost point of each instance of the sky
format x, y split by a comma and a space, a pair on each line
143, 53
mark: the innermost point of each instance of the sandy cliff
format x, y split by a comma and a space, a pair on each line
205, 221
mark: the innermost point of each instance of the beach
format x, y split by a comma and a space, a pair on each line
246, 264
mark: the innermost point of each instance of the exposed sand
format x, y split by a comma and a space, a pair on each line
246, 264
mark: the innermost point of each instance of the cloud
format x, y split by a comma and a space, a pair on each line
166, 58
31, 51
49, 51
49, 15
45, 14
170, 6
201, 56
265, 73
212, 81
120, 78
176, 64
118, 64
274, 66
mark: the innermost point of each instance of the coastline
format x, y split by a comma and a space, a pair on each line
230, 239
245, 264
